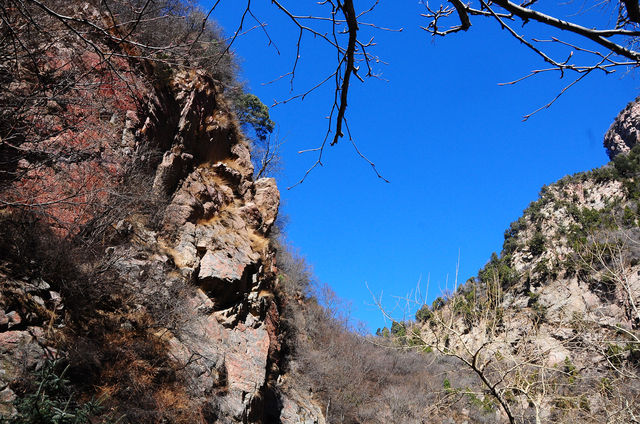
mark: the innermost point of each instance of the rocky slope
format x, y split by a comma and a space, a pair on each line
551, 324
624, 132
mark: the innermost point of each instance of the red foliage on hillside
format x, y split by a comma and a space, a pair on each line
64, 129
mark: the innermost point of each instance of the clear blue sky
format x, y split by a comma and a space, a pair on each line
461, 162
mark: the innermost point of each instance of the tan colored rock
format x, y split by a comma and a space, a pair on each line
218, 265
267, 199
624, 133
298, 408
243, 159
20, 350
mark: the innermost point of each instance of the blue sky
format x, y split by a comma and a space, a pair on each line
461, 161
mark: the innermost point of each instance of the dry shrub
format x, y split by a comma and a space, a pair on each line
135, 371
358, 378
177, 23
108, 340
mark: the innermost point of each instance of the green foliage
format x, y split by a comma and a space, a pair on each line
499, 270
414, 338
398, 329
254, 115
590, 219
485, 404
510, 236
542, 270
539, 312
570, 369
384, 332
545, 271
468, 305
481, 295
438, 303
628, 165
632, 187
618, 353
598, 175
628, 217
606, 386
534, 210
533, 298
424, 314
603, 175
584, 404
53, 401
537, 243
564, 403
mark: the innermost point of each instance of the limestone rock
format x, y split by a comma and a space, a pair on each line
267, 199
624, 133
296, 408
220, 266
19, 351
7, 396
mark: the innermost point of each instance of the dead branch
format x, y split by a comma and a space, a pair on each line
615, 40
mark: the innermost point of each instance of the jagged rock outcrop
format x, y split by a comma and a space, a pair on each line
222, 336
624, 133
204, 274
26, 317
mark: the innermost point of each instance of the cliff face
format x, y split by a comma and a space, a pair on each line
183, 270
212, 240
624, 133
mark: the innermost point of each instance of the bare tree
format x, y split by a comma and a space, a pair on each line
596, 49
529, 375
139, 29
338, 23
76, 75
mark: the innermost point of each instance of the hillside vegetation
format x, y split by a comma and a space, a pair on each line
550, 325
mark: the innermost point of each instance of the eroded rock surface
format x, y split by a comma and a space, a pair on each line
204, 273
223, 330
26, 311
624, 133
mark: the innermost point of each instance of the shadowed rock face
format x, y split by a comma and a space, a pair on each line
224, 332
22, 335
205, 273
222, 336
624, 133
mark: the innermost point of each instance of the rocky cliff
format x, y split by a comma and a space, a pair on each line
624, 132
136, 250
